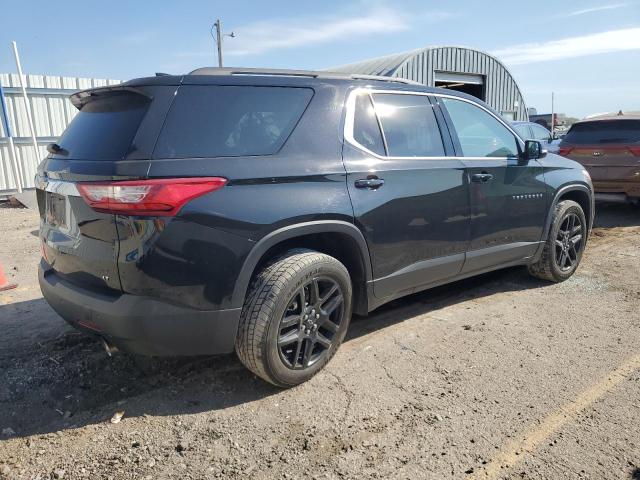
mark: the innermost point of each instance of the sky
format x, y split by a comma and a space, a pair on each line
587, 51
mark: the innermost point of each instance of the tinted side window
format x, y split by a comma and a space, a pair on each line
604, 131
540, 133
230, 121
366, 130
409, 125
480, 134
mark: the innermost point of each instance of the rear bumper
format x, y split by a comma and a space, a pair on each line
140, 324
630, 189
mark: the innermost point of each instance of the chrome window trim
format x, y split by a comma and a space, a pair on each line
350, 116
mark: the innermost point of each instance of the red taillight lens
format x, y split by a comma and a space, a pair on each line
565, 151
635, 151
158, 197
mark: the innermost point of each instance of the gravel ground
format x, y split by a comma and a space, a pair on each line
501, 376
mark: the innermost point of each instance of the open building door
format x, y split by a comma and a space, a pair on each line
470, 83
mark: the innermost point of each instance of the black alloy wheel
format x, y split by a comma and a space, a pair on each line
565, 243
310, 322
568, 243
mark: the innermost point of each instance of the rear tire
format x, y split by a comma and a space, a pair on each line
295, 317
565, 244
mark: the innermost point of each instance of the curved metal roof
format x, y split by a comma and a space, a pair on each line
384, 66
421, 65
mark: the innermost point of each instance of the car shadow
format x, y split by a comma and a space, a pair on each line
612, 215
64, 379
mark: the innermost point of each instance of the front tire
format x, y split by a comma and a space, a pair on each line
565, 244
295, 317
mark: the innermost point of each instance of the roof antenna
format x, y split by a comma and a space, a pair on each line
620, 113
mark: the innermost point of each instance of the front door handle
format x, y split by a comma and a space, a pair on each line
372, 183
481, 177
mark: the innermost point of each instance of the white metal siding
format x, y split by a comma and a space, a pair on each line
51, 110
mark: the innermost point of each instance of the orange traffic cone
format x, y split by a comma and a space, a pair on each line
4, 284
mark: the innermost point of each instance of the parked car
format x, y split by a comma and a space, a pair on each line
609, 148
535, 131
256, 210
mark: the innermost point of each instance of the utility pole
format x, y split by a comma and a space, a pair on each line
553, 114
218, 38
219, 41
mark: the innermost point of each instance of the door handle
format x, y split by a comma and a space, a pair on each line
481, 177
372, 183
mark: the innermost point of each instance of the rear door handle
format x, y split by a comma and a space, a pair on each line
481, 177
372, 183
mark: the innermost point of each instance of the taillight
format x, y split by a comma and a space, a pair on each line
564, 151
635, 151
158, 197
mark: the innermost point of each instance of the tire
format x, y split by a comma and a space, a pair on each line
562, 240
297, 283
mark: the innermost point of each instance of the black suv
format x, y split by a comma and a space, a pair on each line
256, 210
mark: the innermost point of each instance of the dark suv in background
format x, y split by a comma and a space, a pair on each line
256, 210
609, 148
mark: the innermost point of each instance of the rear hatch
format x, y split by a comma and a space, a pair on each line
110, 138
609, 149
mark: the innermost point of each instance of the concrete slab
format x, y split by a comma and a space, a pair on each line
27, 198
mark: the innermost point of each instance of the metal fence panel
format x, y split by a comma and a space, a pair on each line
51, 111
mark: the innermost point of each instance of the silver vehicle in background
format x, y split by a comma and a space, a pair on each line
535, 131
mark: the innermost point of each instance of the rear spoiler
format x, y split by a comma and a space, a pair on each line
79, 99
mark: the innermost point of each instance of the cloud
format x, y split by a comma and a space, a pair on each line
138, 38
287, 33
259, 37
584, 11
604, 42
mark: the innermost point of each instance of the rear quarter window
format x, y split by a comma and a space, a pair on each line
104, 127
603, 132
230, 121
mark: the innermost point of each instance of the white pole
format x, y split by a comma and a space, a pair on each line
23, 83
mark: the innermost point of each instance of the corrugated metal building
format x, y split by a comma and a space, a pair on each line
457, 68
51, 111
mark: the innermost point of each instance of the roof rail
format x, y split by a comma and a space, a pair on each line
380, 78
255, 71
297, 73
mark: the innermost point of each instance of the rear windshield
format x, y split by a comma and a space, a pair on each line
230, 121
104, 127
605, 131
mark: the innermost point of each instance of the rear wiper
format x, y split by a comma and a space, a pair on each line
57, 149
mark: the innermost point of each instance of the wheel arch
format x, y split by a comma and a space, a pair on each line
582, 195
577, 192
340, 239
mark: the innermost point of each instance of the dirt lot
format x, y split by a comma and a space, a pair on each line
501, 376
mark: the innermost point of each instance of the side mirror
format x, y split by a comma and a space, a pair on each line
533, 150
